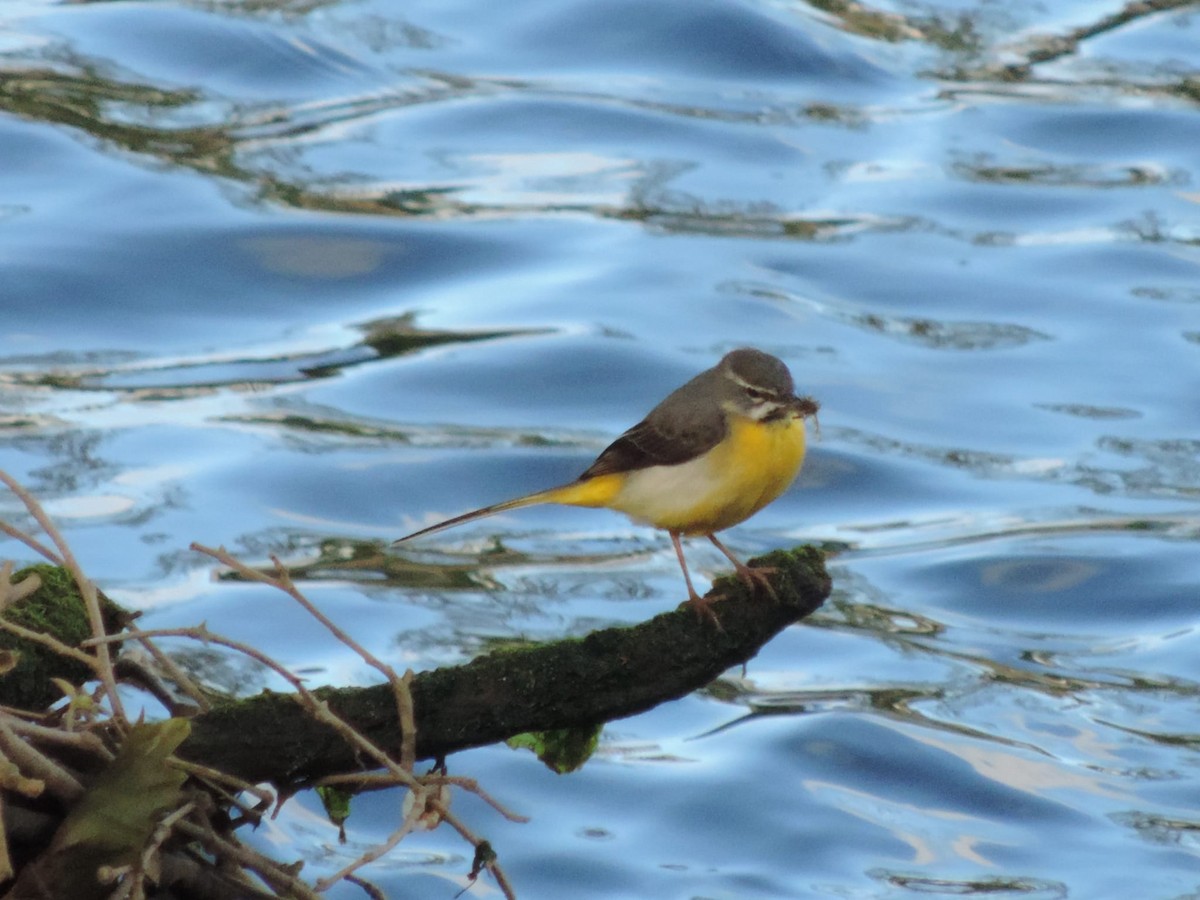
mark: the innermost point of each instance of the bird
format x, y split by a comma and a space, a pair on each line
710, 455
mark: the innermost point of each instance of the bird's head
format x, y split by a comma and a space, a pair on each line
759, 386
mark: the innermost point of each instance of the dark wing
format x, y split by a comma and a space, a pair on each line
687, 424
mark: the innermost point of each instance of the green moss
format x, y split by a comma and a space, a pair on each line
337, 805
56, 608
563, 750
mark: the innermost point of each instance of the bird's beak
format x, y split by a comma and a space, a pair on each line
805, 407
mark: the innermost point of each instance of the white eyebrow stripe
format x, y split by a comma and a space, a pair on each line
751, 386
741, 382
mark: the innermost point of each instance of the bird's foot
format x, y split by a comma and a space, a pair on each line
758, 578
755, 579
703, 608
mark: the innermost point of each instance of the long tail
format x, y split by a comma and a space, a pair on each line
590, 492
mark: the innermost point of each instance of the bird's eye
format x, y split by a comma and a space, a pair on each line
756, 395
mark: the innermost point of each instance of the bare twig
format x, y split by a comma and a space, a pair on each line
408, 723
369, 856
59, 781
398, 774
278, 876
12, 592
11, 779
6, 868
78, 740
361, 781
134, 884
404, 706
373, 781
317, 707
53, 643
177, 676
283, 581
224, 783
87, 590
472, 786
494, 867
371, 891
29, 766
31, 542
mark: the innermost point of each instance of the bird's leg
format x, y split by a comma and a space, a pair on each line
702, 606
753, 578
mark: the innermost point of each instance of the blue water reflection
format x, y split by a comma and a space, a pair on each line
297, 278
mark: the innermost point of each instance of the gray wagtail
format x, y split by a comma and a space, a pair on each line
712, 454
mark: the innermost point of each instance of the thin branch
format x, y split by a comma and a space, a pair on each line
472, 786
374, 781
53, 643
162, 831
59, 781
11, 779
400, 686
87, 590
370, 855
283, 581
314, 705
429, 794
77, 740
33, 543
221, 782
11, 592
358, 781
494, 867
371, 891
6, 867
408, 723
275, 874
321, 711
176, 674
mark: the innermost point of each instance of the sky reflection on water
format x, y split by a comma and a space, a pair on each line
282, 277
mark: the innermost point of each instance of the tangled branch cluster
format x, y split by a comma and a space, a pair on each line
136, 819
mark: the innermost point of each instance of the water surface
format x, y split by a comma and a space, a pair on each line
287, 277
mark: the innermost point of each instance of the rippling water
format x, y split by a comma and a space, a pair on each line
291, 276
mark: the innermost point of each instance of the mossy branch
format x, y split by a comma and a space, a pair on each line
608, 674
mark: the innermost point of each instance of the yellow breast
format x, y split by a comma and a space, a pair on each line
752, 466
